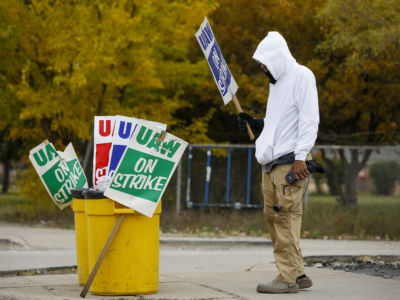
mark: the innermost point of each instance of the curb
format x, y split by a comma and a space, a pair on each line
40, 271
215, 242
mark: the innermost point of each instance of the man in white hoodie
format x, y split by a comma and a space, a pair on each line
288, 132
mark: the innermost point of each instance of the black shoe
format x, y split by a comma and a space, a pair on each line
304, 281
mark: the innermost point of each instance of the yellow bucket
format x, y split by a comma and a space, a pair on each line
131, 264
78, 206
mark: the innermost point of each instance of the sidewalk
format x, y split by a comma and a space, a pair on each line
190, 267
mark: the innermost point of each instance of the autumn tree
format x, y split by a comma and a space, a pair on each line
84, 58
358, 73
10, 68
63, 62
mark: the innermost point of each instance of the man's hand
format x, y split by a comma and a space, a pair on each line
243, 118
256, 125
300, 169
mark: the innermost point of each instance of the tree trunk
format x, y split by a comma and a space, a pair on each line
6, 176
350, 187
352, 166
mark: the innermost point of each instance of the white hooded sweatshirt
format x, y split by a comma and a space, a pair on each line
292, 116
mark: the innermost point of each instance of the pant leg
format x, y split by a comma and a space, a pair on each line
296, 221
269, 195
287, 224
297, 226
276, 222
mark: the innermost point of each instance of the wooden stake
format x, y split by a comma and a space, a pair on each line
102, 255
239, 109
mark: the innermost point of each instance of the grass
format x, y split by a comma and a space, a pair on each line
15, 209
363, 199
375, 217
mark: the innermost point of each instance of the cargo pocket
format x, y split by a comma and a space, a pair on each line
295, 193
288, 195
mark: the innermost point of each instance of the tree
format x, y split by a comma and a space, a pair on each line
84, 58
63, 62
357, 67
10, 67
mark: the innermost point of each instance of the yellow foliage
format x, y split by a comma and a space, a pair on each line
85, 58
360, 84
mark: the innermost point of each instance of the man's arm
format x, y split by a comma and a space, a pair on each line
307, 103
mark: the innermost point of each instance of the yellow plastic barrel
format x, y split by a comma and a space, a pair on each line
78, 206
131, 264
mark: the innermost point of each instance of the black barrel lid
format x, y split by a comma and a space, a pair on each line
94, 194
78, 193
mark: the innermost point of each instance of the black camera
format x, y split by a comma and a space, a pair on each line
312, 167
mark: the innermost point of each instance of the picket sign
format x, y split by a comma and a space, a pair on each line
59, 171
124, 127
103, 133
146, 168
222, 75
123, 130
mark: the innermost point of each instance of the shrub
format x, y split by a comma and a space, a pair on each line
384, 175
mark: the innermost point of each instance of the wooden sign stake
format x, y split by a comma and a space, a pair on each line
239, 109
102, 255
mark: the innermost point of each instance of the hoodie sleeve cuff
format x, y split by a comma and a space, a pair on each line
300, 156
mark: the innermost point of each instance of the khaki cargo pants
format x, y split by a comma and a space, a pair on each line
284, 226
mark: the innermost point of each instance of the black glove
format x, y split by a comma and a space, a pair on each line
256, 125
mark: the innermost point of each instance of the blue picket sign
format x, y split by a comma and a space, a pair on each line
223, 78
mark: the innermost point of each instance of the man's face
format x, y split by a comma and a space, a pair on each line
267, 73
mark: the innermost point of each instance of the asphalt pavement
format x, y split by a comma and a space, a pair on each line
190, 267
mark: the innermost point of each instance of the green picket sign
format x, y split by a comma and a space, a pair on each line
58, 175
145, 169
63, 177
142, 175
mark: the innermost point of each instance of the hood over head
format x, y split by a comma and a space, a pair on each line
273, 52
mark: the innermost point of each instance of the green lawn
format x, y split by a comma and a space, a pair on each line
14, 209
363, 199
375, 217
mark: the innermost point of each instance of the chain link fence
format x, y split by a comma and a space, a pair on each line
379, 174
229, 175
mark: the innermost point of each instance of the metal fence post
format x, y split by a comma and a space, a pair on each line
248, 185
228, 175
188, 178
178, 188
208, 176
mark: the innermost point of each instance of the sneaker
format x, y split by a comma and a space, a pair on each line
277, 287
304, 281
